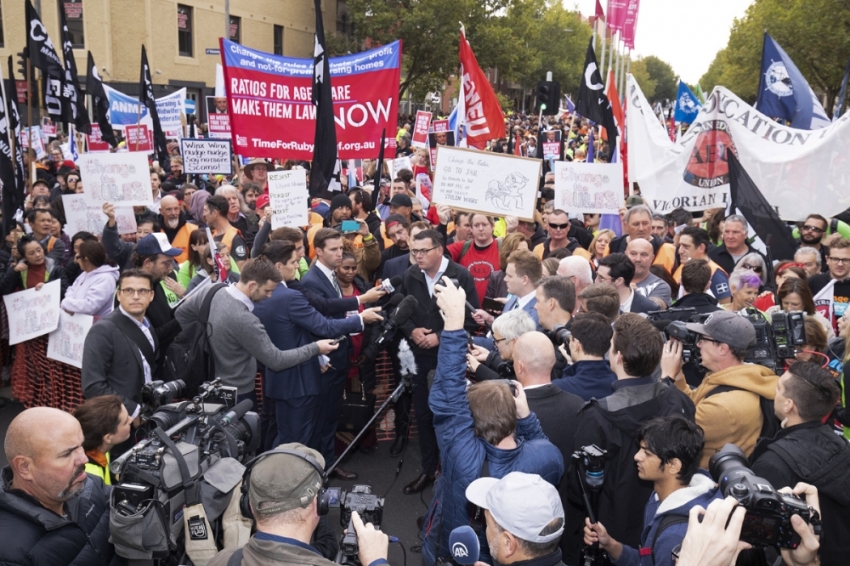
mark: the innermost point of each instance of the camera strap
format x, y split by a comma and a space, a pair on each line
190, 486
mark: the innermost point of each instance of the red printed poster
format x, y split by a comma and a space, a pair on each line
272, 115
95, 143
218, 120
21, 88
441, 126
138, 138
420, 129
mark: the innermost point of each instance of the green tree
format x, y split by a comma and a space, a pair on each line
666, 81
641, 75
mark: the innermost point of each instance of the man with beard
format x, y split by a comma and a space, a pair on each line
398, 230
51, 511
812, 231
174, 226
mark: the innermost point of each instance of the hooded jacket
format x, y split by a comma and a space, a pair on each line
701, 491
463, 453
93, 292
811, 452
33, 535
612, 424
733, 416
14, 281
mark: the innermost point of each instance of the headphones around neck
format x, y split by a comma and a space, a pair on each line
321, 497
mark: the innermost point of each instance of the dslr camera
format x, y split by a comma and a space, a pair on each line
768, 519
370, 507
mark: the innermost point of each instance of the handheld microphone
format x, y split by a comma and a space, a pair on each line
389, 285
400, 315
236, 412
464, 545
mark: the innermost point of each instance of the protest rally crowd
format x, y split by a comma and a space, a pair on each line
582, 388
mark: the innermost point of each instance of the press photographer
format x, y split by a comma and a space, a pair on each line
728, 400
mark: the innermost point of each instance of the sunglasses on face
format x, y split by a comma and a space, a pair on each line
559, 226
810, 228
756, 268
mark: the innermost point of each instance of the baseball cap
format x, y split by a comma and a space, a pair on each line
401, 200
281, 482
727, 327
522, 504
262, 202
634, 200
154, 244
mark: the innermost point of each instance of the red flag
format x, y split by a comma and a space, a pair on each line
599, 13
483, 119
614, 99
518, 144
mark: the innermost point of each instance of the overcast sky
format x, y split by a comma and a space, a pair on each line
685, 34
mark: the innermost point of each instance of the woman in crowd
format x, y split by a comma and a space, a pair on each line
599, 244
9, 249
196, 207
795, 295
33, 271
787, 270
496, 288
815, 347
207, 268
744, 285
72, 268
550, 266
94, 290
106, 424
197, 242
239, 215
754, 262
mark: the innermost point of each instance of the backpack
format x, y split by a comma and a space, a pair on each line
770, 424
189, 356
666, 521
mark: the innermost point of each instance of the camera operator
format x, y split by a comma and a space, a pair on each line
524, 518
728, 417
282, 491
506, 331
713, 537
612, 424
485, 429
590, 375
670, 449
51, 511
105, 423
806, 450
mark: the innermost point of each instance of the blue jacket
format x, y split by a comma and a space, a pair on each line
291, 322
463, 454
701, 491
588, 379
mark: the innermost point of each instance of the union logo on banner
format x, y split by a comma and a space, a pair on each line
708, 167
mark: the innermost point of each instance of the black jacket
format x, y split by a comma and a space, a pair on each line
612, 424
641, 304
812, 453
557, 412
721, 256
702, 303
33, 535
619, 245
427, 314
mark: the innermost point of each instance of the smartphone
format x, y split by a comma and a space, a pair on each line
492, 305
350, 226
340, 339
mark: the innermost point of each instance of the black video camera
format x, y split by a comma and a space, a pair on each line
677, 329
777, 340
370, 507
768, 519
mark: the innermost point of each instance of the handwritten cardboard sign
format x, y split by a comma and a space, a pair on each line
588, 187
206, 156
65, 344
122, 179
32, 313
289, 198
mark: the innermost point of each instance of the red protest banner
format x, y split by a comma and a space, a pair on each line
21, 88
270, 101
94, 141
420, 129
483, 117
138, 138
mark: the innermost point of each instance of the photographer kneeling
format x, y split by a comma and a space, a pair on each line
282, 490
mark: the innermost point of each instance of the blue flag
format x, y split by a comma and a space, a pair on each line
784, 93
591, 150
570, 106
687, 105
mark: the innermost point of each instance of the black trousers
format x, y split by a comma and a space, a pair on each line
424, 417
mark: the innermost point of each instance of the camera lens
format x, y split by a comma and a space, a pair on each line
728, 464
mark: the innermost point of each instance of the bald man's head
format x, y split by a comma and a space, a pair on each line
169, 208
44, 448
534, 358
642, 254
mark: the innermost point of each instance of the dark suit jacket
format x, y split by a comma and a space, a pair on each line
427, 314
291, 322
641, 304
112, 363
323, 305
557, 412
317, 282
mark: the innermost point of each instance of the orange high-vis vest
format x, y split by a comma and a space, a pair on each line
181, 241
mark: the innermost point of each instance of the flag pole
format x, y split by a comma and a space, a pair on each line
9, 131
138, 126
602, 63
29, 122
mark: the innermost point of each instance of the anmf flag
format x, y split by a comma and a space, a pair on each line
784, 93
73, 103
482, 118
100, 102
43, 57
592, 102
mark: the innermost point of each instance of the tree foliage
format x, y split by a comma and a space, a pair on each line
814, 33
666, 80
644, 81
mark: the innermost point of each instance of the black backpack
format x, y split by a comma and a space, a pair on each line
770, 424
189, 357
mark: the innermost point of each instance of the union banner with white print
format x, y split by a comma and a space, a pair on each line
272, 114
800, 172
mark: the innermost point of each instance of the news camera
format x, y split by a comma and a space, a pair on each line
370, 507
768, 518
190, 460
777, 340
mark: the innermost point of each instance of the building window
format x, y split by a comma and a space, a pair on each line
236, 29
278, 40
184, 30
74, 16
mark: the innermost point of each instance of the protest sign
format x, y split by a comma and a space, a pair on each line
400, 163
206, 156
588, 187
218, 120
289, 198
65, 344
420, 129
482, 181
800, 172
271, 109
169, 108
550, 144
138, 138
37, 141
122, 179
48, 128
95, 143
32, 313
83, 216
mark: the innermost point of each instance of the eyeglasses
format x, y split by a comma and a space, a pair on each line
497, 340
558, 226
810, 228
141, 292
419, 253
756, 268
704, 338
839, 260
